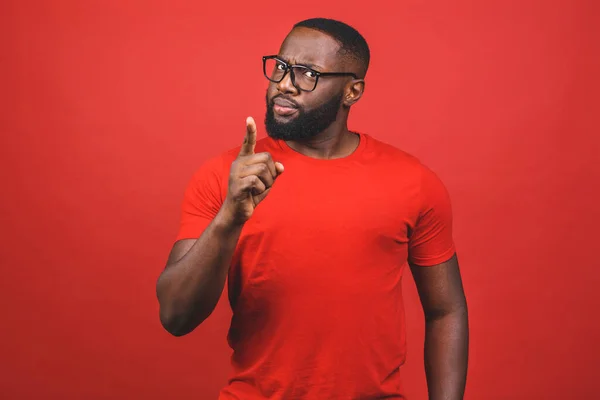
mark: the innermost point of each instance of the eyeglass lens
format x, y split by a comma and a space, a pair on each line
304, 77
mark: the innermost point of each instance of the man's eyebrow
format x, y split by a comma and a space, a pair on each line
304, 64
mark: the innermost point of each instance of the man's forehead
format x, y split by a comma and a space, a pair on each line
310, 47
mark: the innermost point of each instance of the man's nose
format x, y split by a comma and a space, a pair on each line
286, 85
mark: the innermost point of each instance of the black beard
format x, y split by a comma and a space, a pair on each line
306, 124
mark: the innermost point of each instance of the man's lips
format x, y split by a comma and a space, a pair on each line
283, 107
285, 111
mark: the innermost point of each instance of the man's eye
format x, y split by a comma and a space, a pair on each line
281, 67
310, 74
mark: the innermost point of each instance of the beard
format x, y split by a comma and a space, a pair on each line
306, 124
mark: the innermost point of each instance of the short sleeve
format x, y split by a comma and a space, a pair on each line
202, 199
431, 241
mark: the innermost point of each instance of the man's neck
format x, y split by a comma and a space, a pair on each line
333, 142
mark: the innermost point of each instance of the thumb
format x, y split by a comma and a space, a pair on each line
279, 168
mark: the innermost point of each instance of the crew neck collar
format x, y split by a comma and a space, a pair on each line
285, 148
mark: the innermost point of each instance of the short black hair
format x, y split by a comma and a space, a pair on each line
352, 43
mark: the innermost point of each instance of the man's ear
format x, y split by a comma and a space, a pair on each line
354, 91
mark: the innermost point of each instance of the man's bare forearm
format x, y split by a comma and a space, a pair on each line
190, 287
446, 355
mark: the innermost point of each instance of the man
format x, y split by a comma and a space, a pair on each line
314, 254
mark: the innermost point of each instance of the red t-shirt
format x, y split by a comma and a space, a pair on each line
315, 280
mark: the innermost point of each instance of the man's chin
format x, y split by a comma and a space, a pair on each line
279, 131
278, 134
285, 119
283, 127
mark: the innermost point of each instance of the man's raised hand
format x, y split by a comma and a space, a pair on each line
250, 178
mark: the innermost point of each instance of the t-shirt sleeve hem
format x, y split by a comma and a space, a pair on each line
433, 261
192, 231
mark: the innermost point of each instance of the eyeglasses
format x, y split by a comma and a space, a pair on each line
303, 77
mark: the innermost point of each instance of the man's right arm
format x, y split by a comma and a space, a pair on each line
189, 288
191, 284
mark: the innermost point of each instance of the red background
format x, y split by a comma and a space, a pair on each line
109, 106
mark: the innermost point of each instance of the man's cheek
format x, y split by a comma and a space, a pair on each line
271, 90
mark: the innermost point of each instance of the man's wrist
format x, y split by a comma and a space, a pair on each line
225, 221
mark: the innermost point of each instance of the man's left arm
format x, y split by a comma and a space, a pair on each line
446, 328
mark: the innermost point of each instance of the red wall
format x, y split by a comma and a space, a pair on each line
109, 106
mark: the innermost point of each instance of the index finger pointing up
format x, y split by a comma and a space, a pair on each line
250, 138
